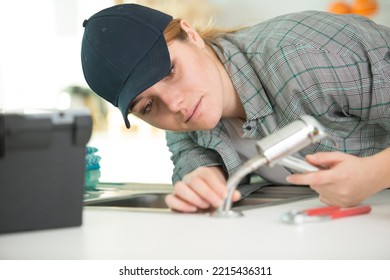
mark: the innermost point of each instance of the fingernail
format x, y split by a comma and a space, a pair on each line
311, 156
217, 202
205, 205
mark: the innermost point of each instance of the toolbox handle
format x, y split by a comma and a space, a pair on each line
26, 133
2, 136
82, 130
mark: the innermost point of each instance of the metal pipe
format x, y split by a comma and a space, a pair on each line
272, 149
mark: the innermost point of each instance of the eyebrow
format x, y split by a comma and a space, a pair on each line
134, 103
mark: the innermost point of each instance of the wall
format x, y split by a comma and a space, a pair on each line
251, 11
40, 46
40, 49
40, 56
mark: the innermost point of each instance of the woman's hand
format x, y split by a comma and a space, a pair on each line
346, 180
203, 188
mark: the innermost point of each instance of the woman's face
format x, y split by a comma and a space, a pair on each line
191, 96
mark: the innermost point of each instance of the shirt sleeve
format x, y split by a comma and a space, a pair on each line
187, 155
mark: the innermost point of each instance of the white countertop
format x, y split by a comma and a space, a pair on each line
124, 234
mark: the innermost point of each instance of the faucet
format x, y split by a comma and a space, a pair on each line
276, 148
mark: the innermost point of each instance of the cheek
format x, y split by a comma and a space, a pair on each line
212, 115
160, 123
162, 120
200, 68
204, 80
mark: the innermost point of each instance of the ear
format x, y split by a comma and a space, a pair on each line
193, 35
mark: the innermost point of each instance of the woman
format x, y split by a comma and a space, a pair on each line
216, 93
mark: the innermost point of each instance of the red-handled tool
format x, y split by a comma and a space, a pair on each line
323, 213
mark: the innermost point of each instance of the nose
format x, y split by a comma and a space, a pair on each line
172, 98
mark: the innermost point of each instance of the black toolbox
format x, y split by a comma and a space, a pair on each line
42, 167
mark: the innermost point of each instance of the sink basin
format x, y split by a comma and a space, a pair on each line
253, 196
269, 195
148, 200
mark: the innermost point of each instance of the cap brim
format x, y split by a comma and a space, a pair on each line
154, 66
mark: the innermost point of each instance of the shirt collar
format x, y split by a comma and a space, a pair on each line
244, 78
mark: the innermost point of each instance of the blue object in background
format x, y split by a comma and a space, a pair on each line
92, 168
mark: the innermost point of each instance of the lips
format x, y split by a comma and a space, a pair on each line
192, 112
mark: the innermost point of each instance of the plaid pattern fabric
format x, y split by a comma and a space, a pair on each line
333, 67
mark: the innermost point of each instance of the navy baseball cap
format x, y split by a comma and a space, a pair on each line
124, 52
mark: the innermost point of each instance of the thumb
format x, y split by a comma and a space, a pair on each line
325, 158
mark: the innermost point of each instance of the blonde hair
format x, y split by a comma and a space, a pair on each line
208, 33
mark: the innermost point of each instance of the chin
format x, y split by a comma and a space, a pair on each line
198, 127
210, 124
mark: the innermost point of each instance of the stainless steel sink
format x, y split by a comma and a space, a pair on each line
148, 200
268, 195
253, 196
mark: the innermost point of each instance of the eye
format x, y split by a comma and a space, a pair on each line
171, 73
148, 107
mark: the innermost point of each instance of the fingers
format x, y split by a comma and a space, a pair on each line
326, 201
208, 181
325, 158
199, 193
202, 189
344, 183
334, 200
325, 161
175, 203
330, 190
309, 179
236, 196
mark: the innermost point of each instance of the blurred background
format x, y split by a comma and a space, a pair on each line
40, 67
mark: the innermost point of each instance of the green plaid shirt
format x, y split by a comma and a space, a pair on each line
333, 67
